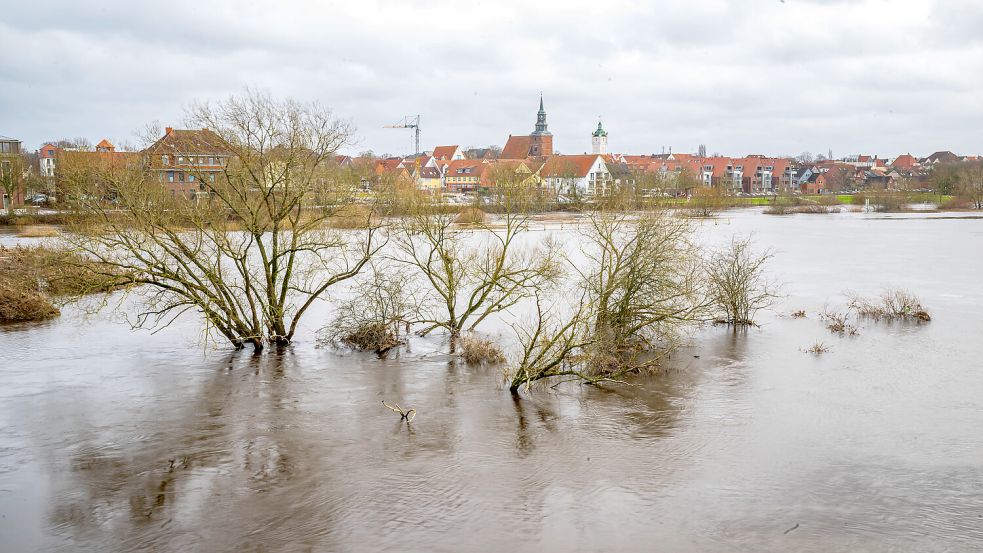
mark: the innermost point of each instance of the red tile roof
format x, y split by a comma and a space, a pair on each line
516, 147
444, 152
904, 161
562, 166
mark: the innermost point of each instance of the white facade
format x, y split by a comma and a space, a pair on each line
596, 180
600, 144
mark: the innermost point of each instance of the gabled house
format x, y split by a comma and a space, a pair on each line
940, 157
578, 175
448, 153
905, 162
429, 179
464, 175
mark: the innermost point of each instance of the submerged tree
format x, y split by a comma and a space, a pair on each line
548, 347
248, 248
642, 280
642, 288
738, 285
474, 271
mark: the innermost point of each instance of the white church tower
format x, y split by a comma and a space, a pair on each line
600, 140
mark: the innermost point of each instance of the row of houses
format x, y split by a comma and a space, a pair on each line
186, 160
571, 175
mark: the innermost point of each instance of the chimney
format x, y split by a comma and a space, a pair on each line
168, 130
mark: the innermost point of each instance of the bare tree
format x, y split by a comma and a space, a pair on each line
475, 271
548, 348
250, 252
738, 285
642, 280
971, 183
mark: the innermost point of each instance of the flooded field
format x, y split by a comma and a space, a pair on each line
113, 440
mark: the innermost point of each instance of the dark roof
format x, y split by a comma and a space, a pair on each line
192, 141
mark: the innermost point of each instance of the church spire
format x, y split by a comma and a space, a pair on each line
541, 127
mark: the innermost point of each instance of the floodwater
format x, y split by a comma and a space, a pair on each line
112, 440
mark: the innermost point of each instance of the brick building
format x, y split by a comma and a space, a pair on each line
539, 143
184, 160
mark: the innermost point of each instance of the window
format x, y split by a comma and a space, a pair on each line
211, 178
165, 160
191, 178
170, 176
211, 161
180, 176
51, 153
180, 160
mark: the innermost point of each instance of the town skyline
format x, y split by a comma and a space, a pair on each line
358, 149
806, 75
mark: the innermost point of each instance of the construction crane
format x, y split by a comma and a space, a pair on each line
410, 122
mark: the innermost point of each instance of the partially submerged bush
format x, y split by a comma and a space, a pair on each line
816, 209
890, 305
480, 351
471, 216
31, 276
378, 315
800, 314
783, 205
818, 348
22, 305
779, 209
838, 323
56, 271
372, 336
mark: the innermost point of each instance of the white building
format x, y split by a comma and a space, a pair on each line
581, 175
599, 140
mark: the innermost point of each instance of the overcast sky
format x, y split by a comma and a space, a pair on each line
748, 76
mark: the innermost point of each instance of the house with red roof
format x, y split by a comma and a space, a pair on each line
905, 163
464, 175
448, 153
577, 175
47, 160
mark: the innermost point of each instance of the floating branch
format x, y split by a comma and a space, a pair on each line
407, 416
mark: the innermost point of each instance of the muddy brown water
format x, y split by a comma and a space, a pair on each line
112, 440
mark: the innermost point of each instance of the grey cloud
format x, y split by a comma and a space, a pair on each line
759, 76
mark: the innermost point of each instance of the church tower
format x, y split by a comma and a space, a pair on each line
599, 140
541, 140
